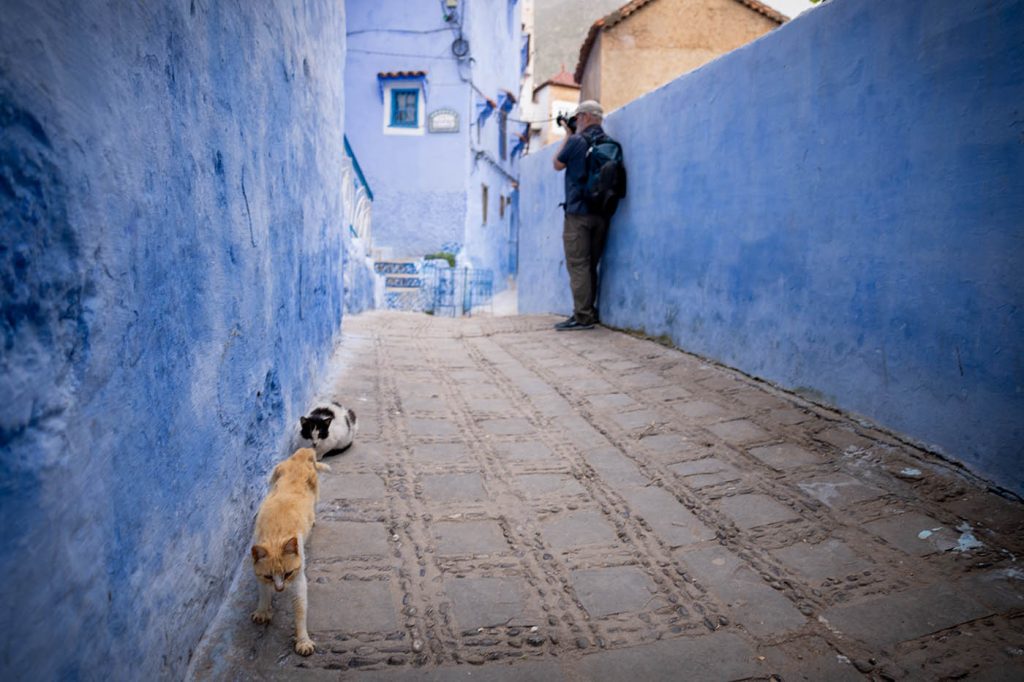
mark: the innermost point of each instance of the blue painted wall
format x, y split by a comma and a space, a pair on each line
427, 188
171, 258
494, 30
837, 208
543, 282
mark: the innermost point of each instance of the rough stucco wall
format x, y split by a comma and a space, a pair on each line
550, 100
426, 187
836, 208
171, 260
487, 245
360, 281
668, 38
543, 282
414, 212
590, 85
418, 181
493, 31
414, 222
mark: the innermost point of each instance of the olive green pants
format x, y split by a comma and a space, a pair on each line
583, 237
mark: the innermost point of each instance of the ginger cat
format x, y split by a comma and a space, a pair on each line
283, 524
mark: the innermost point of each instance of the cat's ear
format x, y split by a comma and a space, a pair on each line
258, 552
278, 470
292, 546
303, 422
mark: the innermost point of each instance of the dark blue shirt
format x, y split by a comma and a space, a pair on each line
574, 156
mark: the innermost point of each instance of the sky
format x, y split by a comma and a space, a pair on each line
790, 8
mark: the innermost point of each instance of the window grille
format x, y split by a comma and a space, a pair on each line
404, 108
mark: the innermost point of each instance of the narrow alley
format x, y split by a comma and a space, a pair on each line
792, 451
522, 504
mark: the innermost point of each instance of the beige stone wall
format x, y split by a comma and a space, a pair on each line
551, 99
590, 88
563, 99
665, 40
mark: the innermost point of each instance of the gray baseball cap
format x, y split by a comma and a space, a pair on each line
590, 106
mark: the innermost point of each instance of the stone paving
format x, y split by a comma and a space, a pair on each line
523, 504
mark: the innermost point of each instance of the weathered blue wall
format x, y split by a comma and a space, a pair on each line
543, 282
171, 259
494, 31
419, 182
837, 208
427, 188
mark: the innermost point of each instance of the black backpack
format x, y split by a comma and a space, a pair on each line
605, 175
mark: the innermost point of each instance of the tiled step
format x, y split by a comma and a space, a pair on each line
418, 286
398, 267
412, 300
403, 283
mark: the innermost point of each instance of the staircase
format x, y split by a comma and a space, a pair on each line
403, 284
431, 286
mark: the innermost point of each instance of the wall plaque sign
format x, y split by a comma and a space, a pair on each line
443, 121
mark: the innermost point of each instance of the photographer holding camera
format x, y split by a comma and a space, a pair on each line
584, 231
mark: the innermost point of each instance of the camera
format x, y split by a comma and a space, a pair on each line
569, 123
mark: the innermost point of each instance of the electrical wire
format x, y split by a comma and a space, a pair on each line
457, 32
540, 120
400, 54
454, 20
396, 30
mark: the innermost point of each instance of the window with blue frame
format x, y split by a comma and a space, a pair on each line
404, 108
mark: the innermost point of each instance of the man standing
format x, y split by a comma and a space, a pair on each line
584, 232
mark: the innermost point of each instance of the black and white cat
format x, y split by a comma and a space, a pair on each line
330, 428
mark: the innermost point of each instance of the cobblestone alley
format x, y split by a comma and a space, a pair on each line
523, 504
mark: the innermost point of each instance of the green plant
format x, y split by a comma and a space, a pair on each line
442, 255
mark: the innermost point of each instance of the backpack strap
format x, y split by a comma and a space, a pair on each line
594, 138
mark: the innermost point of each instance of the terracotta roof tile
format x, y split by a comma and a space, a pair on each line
622, 13
401, 74
764, 9
563, 77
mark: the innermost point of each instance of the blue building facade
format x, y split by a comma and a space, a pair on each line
432, 113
